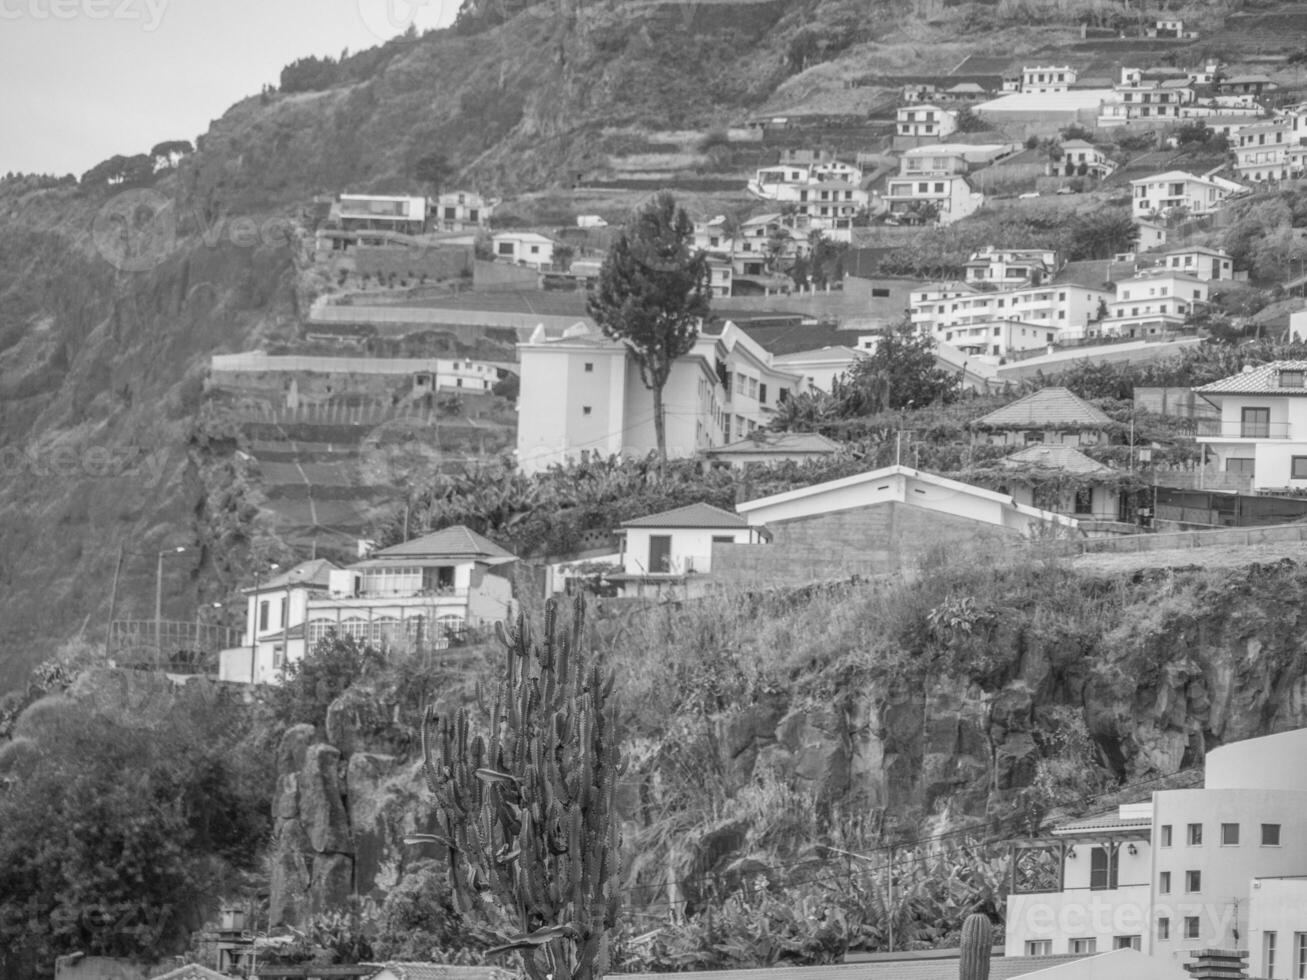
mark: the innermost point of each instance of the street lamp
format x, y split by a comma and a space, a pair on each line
158, 597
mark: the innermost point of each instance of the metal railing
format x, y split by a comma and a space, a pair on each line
175, 647
1216, 428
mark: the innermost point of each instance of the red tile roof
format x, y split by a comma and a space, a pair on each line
694, 515
1056, 408
452, 542
1264, 380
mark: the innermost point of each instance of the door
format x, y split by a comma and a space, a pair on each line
660, 552
1102, 868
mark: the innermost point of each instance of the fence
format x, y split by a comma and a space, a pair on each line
1223, 538
359, 414
179, 648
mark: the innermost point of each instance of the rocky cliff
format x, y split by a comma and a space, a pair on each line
1150, 671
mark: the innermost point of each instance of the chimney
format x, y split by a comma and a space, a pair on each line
1218, 964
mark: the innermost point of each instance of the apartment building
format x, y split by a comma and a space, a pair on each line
1047, 78
1162, 193
1188, 869
1145, 96
582, 394
930, 198
1261, 151
1152, 302
925, 120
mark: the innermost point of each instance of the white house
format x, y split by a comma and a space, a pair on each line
462, 210
1149, 97
523, 248
582, 394
1011, 267
925, 120
664, 553
1080, 158
1200, 262
417, 594
1048, 78
1092, 496
828, 193
381, 212
1153, 302
768, 447
820, 368
1162, 193
1262, 432
274, 611
1052, 416
949, 197
1184, 871
1261, 151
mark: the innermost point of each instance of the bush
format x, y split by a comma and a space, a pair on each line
310, 685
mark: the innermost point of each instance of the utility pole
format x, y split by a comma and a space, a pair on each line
113, 600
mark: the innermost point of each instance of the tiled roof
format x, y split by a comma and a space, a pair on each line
903, 966
1264, 380
694, 515
778, 443
1111, 820
1069, 459
1048, 407
452, 542
313, 574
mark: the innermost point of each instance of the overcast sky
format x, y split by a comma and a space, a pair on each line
85, 79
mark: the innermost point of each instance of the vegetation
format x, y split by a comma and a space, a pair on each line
527, 814
653, 294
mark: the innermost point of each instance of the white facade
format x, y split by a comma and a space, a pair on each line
1154, 301
1077, 154
1184, 871
1162, 193
1136, 98
1262, 432
380, 212
829, 194
426, 372
1206, 264
1277, 927
820, 368
581, 394
1048, 78
1261, 151
925, 121
950, 194
462, 210
523, 248
677, 550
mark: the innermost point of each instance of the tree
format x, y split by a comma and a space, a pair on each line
652, 295
433, 169
169, 152
526, 815
901, 372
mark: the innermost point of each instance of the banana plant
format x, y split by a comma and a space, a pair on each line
526, 811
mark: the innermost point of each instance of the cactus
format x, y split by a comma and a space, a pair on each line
526, 813
977, 944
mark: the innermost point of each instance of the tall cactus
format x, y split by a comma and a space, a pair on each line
527, 813
977, 944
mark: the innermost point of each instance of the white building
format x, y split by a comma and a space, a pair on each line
1162, 193
524, 248
820, 368
1153, 302
925, 120
274, 613
663, 552
1080, 158
1048, 78
1200, 262
381, 212
1145, 97
462, 211
949, 197
582, 394
1186, 870
1261, 151
829, 194
1010, 267
1262, 432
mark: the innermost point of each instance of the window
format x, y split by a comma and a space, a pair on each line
1255, 423
723, 539
1242, 467
589, 367
1229, 834
879, 292
1193, 881
1270, 835
1164, 928
1125, 942
504, 248
1195, 833
1191, 927
1039, 947
1164, 836
535, 249
1164, 883
1102, 868
263, 615
660, 552
1300, 955
762, 394
585, 409
1268, 953
1084, 946
1084, 500
1298, 467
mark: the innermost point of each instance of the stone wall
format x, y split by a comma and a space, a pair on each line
863, 542
412, 263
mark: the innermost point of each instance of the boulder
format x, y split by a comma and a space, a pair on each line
293, 745
322, 805
365, 791
358, 721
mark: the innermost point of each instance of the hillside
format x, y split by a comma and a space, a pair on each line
101, 367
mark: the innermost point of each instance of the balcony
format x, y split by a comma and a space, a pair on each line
1217, 429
